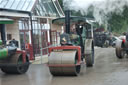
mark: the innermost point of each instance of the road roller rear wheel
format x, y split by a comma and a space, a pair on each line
20, 68
90, 57
120, 53
89, 60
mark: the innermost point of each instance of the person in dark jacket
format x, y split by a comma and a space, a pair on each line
14, 42
127, 36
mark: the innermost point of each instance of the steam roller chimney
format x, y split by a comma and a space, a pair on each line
67, 21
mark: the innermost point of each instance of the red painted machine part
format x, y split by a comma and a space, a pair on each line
123, 40
24, 55
29, 50
78, 48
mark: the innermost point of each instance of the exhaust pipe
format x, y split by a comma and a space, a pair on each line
67, 21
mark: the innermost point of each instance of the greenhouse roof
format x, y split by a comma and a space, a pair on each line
23, 5
45, 8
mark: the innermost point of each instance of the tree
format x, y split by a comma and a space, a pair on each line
119, 23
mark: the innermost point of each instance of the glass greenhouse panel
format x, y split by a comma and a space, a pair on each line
15, 4
24, 5
21, 3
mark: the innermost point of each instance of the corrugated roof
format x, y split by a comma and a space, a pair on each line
23, 5
46, 8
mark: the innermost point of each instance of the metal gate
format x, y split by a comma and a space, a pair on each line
54, 37
44, 38
24, 38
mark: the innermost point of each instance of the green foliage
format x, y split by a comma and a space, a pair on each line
119, 23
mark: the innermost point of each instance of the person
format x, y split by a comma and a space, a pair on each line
74, 36
127, 36
14, 42
124, 33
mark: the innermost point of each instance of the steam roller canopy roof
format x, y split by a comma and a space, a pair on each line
73, 19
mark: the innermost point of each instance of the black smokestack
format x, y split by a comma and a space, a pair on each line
67, 21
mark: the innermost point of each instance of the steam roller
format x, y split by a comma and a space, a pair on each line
76, 47
12, 61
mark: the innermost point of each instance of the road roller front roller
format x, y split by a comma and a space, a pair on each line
17, 63
76, 47
13, 61
65, 60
